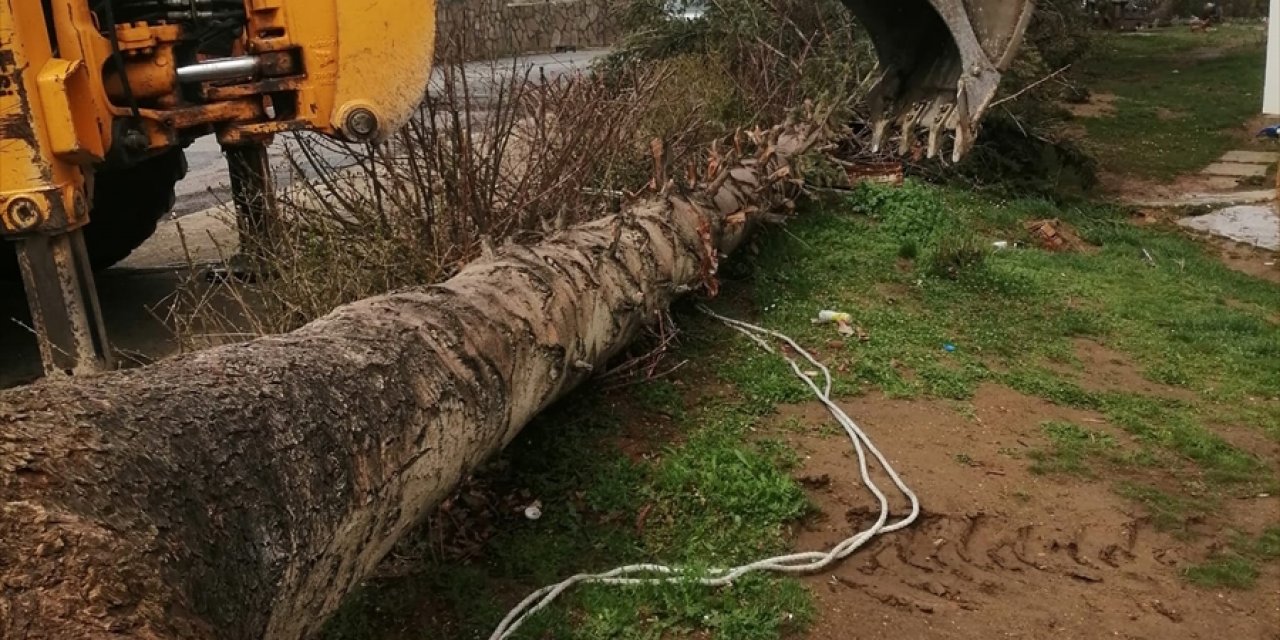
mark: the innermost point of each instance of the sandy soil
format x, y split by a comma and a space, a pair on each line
1001, 552
1105, 369
1244, 258
1100, 105
1134, 189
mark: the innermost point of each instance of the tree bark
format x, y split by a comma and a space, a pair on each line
241, 492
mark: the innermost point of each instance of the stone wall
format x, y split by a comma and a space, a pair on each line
480, 29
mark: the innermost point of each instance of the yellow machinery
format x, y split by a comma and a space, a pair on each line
98, 98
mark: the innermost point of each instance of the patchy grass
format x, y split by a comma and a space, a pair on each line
1267, 546
1168, 512
1230, 571
1070, 446
1238, 567
1187, 322
660, 396
1180, 97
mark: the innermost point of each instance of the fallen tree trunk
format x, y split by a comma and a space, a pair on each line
241, 492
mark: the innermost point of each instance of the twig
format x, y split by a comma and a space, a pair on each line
1030, 87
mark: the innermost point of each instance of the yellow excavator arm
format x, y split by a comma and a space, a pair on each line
115, 88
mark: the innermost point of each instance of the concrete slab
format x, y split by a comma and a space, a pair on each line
1221, 183
1258, 225
1252, 157
1235, 170
195, 239
1207, 199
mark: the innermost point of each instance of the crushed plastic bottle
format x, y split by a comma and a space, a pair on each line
832, 317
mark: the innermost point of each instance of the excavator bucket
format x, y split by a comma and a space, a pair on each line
940, 64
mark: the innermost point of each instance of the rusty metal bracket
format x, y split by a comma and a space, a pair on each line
257, 216
64, 304
253, 191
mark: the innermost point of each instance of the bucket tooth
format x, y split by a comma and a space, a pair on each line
939, 53
939, 114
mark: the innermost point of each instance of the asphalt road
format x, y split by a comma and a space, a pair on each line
135, 294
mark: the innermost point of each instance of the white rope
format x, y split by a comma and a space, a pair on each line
796, 563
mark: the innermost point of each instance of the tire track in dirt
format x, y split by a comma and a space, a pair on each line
1000, 552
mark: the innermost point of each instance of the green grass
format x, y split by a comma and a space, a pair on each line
1181, 98
1168, 512
1231, 571
1237, 568
1070, 447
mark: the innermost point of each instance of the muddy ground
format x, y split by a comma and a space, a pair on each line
1001, 552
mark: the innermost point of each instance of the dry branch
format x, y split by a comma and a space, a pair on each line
241, 492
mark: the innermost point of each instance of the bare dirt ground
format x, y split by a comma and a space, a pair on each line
1099, 105
1256, 262
1125, 187
1245, 258
1001, 552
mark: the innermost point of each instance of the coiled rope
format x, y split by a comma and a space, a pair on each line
792, 564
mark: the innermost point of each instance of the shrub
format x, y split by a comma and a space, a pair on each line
911, 213
955, 255
517, 158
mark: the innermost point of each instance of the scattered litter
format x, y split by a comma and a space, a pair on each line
1085, 576
1164, 610
1000, 245
949, 348
1272, 132
1146, 255
830, 317
642, 517
534, 511
1056, 235
843, 321
844, 324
